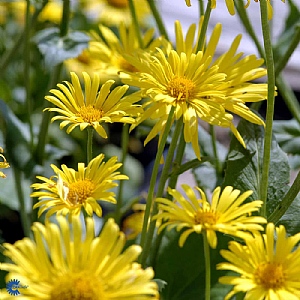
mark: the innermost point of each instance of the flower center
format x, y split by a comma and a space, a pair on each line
118, 3
90, 114
84, 57
78, 286
125, 65
79, 191
270, 275
205, 217
181, 88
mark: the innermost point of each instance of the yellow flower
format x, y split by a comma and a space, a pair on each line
3, 164
114, 12
62, 263
111, 48
226, 213
69, 190
268, 268
94, 107
133, 224
197, 86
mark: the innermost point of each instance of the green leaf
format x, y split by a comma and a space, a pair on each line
288, 135
56, 49
17, 138
244, 166
184, 268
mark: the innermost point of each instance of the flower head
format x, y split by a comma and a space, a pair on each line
226, 213
111, 48
61, 264
69, 190
114, 12
267, 269
95, 106
197, 86
3, 164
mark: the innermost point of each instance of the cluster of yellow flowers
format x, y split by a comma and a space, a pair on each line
65, 260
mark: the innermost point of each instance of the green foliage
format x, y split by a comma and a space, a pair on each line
184, 268
244, 166
57, 49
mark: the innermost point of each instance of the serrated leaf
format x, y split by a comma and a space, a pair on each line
57, 49
244, 166
288, 135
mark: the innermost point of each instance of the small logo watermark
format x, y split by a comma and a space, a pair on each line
13, 287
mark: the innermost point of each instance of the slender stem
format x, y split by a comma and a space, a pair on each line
136, 23
158, 19
215, 150
206, 18
160, 189
153, 180
286, 201
207, 266
173, 178
270, 104
64, 24
89, 145
201, 8
177, 161
20, 193
240, 7
8, 55
26, 55
282, 61
125, 140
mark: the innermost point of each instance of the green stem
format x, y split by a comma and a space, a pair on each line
136, 23
206, 18
43, 133
26, 55
241, 10
270, 105
153, 180
286, 201
215, 151
161, 186
125, 141
282, 60
89, 145
8, 55
177, 161
201, 7
158, 19
20, 193
173, 178
207, 266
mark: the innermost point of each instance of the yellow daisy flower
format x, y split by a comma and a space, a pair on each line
114, 12
111, 48
269, 269
68, 190
61, 264
197, 86
226, 213
95, 106
3, 164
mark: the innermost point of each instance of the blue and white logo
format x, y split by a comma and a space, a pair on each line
13, 287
